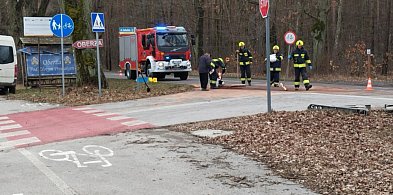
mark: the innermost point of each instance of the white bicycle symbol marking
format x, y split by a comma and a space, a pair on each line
91, 151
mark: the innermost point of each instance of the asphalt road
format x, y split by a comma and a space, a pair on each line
154, 161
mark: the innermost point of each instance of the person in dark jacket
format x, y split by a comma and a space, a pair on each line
245, 61
204, 68
300, 61
275, 67
215, 79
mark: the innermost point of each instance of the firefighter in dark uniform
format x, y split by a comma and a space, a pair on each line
245, 61
301, 60
216, 64
275, 67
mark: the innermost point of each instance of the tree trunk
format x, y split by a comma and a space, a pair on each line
338, 31
319, 33
79, 11
200, 26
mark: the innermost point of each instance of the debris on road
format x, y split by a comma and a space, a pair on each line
327, 151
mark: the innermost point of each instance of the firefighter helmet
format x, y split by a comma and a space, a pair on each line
241, 44
300, 42
276, 47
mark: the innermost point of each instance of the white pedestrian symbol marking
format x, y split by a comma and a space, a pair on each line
98, 153
98, 23
55, 26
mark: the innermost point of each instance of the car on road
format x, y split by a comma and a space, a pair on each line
8, 64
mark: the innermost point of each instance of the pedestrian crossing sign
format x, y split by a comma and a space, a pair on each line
98, 22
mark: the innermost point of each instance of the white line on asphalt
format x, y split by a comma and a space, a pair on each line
6, 122
15, 133
105, 114
354, 96
67, 190
187, 104
83, 108
92, 111
134, 123
7, 127
18, 142
4, 118
117, 118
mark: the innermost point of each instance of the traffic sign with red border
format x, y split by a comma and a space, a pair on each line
264, 8
290, 38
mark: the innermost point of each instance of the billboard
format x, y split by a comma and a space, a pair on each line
37, 26
50, 65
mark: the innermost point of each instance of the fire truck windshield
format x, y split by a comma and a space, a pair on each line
171, 42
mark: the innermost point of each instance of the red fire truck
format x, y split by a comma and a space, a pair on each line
156, 52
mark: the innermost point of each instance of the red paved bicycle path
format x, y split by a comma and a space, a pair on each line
65, 124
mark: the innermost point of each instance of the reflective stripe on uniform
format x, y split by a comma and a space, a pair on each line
275, 69
296, 55
306, 81
296, 83
250, 57
244, 63
303, 55
249, 79
299, 65
213, 81
242, 79
212, 64
245, 54
281, 57
240, 54
308, 61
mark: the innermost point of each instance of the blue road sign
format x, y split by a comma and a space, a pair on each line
127, 29
98, 22
62, 25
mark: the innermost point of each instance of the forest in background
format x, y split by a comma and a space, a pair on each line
336, 32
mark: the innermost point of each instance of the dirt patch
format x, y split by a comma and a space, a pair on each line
328, 151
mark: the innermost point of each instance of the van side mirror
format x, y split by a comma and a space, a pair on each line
193, 40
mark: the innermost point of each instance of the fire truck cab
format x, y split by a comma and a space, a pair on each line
160, 51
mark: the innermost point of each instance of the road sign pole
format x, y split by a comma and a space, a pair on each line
289, 53
62, 56
98, 66
269, 97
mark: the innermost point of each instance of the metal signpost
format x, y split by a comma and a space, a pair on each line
98, 25
264, 9
62, 26
290, 39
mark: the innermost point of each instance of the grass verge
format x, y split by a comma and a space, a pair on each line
118, 90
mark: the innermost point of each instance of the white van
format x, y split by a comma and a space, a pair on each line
8, 64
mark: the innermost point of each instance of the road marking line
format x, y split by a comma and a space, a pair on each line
83, 108
176, 106
354, 96
67, 190
13, 143
7, 127
15, 133
134, 123
105, 114
4, 118
117, 118
6, 122
92, 111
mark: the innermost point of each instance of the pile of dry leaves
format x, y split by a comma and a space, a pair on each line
327, 151
118, 90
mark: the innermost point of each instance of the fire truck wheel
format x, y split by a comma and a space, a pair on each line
184, 76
